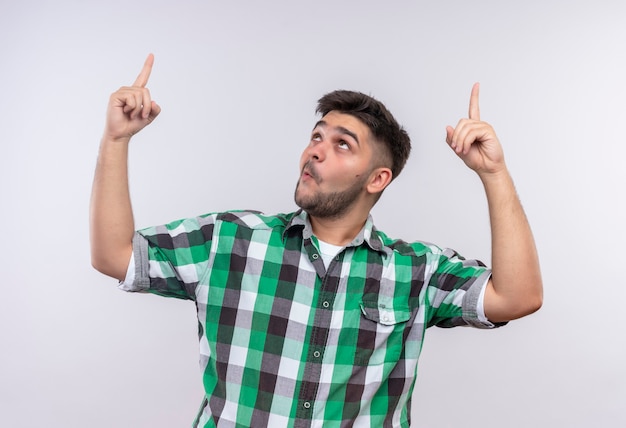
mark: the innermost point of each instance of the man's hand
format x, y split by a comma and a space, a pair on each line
131, 108
475, 142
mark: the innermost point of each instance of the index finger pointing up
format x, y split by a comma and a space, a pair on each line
474, 110
144, 75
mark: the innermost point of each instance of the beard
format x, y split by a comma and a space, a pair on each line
330, 204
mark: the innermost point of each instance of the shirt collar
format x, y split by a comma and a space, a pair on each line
368, 234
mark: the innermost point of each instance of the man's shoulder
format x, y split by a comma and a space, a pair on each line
205, 223
253, 219
407, 248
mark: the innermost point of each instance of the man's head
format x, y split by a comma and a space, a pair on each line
394, 142
355, 150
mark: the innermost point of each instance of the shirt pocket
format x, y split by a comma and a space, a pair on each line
385, 314
381, 333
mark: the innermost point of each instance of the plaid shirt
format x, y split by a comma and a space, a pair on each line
285, 341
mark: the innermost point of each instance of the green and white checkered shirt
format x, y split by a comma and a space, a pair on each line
285, 341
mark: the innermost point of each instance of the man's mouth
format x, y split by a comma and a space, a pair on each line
309, 172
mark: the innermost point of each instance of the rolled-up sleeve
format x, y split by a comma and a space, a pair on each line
137, 276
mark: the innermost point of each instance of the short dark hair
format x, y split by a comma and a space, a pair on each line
378, 119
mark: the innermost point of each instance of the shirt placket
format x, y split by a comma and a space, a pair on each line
318, 333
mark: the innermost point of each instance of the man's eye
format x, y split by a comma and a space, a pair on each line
344, 145
316, 137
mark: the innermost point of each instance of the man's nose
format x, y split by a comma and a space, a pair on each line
317, 150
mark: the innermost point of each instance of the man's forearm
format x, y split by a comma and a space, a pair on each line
516, 278
111, 216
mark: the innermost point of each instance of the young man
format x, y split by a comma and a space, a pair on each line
316, 318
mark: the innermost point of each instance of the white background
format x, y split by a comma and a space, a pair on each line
238, 82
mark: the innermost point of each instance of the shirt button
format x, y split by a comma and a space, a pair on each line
314, 256
316, 354
307, 405
326, 304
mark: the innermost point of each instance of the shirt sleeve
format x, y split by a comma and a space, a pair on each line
456, 292
473, 305
170, 260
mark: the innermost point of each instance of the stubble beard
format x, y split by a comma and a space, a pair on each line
330, 205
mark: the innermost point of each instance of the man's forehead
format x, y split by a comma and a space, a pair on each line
344, 122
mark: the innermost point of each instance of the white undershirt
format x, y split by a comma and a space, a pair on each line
329, 251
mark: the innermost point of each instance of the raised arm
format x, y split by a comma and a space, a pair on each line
111, 217
515, 288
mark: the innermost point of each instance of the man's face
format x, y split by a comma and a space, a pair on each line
335, 166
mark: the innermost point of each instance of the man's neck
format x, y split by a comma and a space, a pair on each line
338, 231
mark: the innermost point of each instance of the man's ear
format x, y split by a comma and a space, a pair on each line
379, 180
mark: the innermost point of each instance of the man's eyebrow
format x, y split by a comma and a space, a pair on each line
323, 124
320, 123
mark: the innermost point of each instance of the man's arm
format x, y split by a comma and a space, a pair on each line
515, 288
111, 217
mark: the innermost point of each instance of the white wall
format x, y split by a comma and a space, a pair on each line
238, 83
